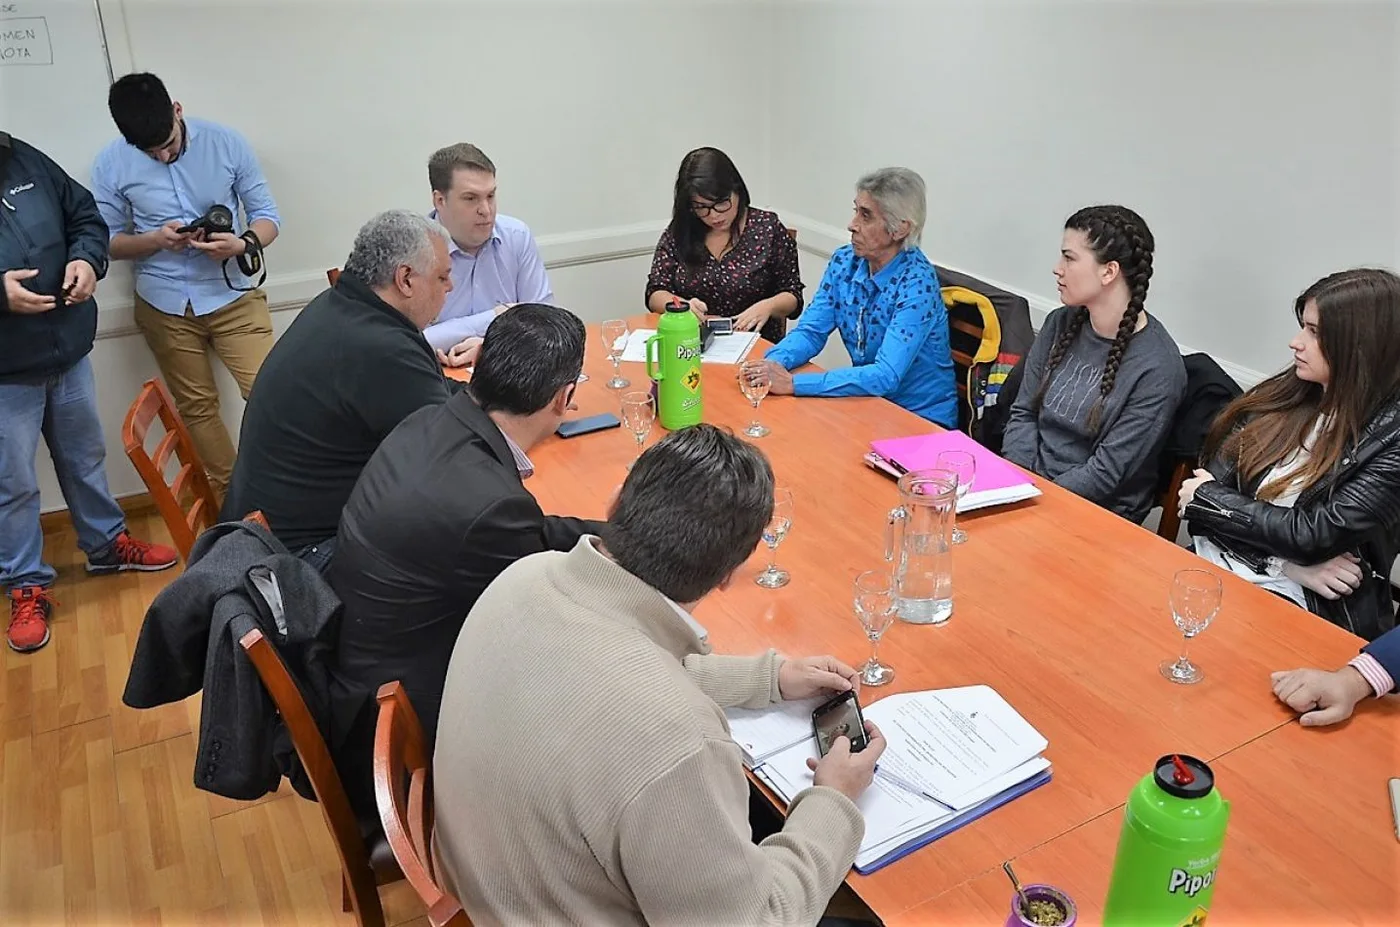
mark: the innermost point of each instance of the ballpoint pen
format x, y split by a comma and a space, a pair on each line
911, 787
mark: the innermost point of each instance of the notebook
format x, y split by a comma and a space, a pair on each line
997, 482
953, 755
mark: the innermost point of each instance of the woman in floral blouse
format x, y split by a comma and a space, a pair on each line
723, 256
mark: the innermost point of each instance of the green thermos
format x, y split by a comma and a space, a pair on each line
673, 361
1169, 849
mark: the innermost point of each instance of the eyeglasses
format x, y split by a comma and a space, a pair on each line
721, 207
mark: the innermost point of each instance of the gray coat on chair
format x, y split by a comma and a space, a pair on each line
240, 577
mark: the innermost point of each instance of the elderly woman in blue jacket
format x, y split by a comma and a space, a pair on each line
53, 250
882, 294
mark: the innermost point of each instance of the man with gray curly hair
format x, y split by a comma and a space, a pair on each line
352, 365
882, 294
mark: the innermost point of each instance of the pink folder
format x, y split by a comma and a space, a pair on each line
997, 481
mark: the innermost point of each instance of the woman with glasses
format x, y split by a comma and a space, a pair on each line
721, 255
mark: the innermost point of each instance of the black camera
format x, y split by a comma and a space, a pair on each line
219, 218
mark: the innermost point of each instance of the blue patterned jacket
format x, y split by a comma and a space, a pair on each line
894, 326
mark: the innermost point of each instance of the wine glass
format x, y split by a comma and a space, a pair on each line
1195, 599
963, 465
753, 381
875, 607
615, 339
638, 412
778, 527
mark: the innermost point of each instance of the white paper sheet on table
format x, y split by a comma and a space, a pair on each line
723, 349
967, 746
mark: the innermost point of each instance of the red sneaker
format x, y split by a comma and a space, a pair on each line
30, 607
127, 553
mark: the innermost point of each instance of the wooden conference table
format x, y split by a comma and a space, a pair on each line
1062, 608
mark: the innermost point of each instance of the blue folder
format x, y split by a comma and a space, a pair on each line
952, 824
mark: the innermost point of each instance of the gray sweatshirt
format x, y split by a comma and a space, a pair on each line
1118, 468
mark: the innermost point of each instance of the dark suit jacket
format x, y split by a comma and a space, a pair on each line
1386, 650
437, 514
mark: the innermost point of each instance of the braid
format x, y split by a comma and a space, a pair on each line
1116, 233
1057, 354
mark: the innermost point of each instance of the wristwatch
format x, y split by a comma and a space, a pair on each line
1274, 567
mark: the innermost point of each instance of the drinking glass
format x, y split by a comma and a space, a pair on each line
778, 527
638, 412
1195, 599
753, 380
875, 607
964, 466
615, 339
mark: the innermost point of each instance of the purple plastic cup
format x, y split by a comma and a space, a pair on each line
1042, 893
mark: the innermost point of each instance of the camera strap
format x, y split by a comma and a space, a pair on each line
250, 262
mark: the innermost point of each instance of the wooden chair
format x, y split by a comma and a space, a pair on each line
1170, 525
191, 481
401, 774
360, 877
333, 275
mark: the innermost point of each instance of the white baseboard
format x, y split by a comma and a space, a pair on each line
288, 291
822, 240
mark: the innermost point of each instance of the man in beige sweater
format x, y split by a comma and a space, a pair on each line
584, 772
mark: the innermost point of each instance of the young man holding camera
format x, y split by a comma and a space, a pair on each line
156, 187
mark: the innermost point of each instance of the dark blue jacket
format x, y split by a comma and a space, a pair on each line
47, 219
1386, 650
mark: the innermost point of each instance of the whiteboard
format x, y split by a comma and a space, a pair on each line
54, 73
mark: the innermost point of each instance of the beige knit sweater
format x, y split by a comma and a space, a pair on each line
584, 772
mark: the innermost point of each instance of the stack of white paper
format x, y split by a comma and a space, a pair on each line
724, 349
952, 755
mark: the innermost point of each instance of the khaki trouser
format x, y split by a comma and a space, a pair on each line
241, 335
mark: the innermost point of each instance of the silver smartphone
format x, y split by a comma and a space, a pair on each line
1395, 805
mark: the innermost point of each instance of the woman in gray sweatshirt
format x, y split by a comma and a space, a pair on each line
1103, 380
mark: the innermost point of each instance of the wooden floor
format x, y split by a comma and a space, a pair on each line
100, 822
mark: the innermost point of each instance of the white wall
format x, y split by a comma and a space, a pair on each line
1257, 139
581, 105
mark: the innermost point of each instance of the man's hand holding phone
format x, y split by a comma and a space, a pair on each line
846, 772
808, 677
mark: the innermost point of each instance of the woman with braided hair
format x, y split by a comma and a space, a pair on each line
1302, 494
1103, 380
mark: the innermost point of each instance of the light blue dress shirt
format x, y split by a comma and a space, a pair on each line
136, 193
507, 269
894, 326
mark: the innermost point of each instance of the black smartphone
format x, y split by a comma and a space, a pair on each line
840, 717
583, 426
720, 326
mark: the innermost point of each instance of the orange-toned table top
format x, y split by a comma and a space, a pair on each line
1311, 838
1059, 605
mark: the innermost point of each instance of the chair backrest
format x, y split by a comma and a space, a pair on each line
333, 275
403, 793
1170, 524
974, 337
185, 519
320, 769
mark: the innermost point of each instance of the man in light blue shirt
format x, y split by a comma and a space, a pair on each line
495, 263
882, 293
163, 174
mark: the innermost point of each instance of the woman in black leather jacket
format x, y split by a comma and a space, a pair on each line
1303, 491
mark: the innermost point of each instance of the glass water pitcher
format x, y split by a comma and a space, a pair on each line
918, 540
